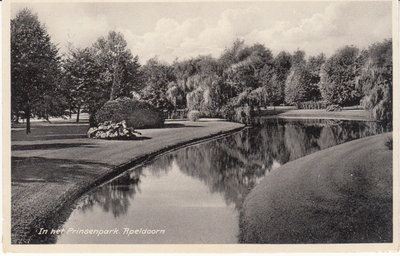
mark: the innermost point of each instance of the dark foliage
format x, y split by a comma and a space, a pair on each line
136, 113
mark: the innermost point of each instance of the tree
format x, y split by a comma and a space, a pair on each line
298, 58
241, 76
208, 94
338, 77
253, 69
120, 70
262, 96
313, 66
297, 87
157, 77
282, 65
376, 81
173, 93
34, 69
300, 85
231, 55
83, 85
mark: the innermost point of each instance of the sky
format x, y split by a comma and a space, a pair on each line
188, 29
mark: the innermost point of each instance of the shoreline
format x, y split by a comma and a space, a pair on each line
345, 114
27, 233
317, 118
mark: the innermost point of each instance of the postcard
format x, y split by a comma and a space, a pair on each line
200, 126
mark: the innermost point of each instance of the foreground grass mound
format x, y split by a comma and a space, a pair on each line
341, 194
137, 114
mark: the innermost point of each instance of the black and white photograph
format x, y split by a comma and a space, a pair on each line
200, 123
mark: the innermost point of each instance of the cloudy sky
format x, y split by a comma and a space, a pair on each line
170, 30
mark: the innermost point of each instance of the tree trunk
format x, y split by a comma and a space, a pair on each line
115, 81
112, 91
92, 122
77, 114
28, 121
70, 111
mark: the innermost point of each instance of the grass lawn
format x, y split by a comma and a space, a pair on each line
341, 194
56, 163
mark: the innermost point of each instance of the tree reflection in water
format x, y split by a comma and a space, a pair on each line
233, 165
115, 195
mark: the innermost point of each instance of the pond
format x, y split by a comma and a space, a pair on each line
194, 195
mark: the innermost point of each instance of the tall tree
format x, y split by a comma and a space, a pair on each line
83, 85
282, 64
253, 68
297, 85
157, 77
120, 69
339, 75
231, 55
34, 69
376, 81
313, 66
298, 58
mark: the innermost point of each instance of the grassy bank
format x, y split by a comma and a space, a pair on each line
348, 113
341, 194
55, 164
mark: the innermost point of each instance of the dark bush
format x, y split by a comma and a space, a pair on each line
389, 143
194, 115
178, 114
334, 107
138, 114
243, 115
240, 114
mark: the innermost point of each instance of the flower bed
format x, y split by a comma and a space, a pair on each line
111, 130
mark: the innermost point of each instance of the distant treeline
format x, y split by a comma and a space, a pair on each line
242, 79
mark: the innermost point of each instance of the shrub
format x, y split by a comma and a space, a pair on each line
138, 114
227, 111
243, 115
178, 114
389, 143
312, 105
379, 103
110, 130
334, 107
194, 115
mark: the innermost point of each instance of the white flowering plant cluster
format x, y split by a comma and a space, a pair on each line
111, 130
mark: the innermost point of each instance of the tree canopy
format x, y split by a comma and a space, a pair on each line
376, 81
120, 70
35, 70
338, 77
244, 77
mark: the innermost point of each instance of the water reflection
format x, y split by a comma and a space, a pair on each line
230, 167
234, 165
115, 195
